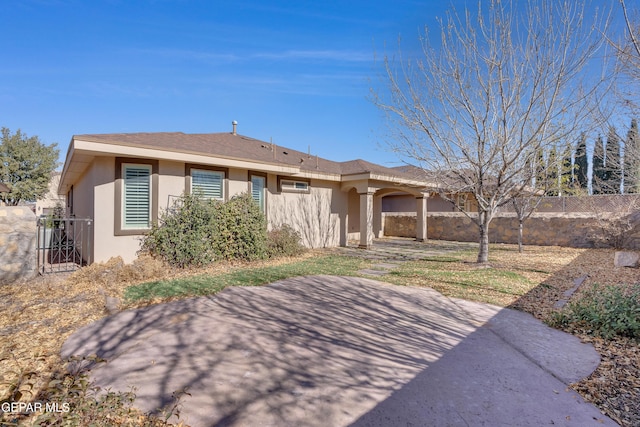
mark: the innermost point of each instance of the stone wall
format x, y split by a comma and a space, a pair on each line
17, 243
545, 229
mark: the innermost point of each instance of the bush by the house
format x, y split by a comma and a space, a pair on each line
195, 231
182, 237
604, 311
284, 241
239, 229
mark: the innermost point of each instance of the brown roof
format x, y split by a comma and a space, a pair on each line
414, 171
4, 188
239, 147
353, 167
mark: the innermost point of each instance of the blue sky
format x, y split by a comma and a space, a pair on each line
297, 72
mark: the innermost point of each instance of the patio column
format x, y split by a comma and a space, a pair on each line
366, 220
421, 218
378, 225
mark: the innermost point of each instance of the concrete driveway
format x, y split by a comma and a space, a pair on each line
342, 351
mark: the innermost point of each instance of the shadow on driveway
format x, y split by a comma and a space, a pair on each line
337, 351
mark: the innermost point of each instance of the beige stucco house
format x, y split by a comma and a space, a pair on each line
124, 181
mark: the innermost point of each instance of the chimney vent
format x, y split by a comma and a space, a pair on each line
235, 127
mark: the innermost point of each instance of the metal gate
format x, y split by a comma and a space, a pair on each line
63, 244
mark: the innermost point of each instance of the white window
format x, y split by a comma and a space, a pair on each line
210, 184
136, 196
258, 184
292, 185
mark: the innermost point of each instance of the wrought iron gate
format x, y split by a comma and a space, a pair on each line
63, 244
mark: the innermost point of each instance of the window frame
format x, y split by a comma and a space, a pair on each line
286, 189
263, 176
121, 163
188, 167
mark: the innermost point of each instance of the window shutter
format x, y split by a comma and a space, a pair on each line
257, 190
209, 183
137, 196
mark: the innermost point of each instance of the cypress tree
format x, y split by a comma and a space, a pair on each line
612, 167
598, 177
552, 172
632, 159
566, 170
581, 164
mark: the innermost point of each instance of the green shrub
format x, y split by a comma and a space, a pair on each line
604, 311
182, 237
284, 241
239, 229
195, 232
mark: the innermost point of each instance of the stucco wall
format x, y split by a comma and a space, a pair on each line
548, 229
238, 181
17, 243
82, 206
318, 216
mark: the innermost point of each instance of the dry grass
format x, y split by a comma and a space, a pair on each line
509, 275
36, 317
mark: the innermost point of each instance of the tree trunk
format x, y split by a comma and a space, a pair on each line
520, 228
483, 252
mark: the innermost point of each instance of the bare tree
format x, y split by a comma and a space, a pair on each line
502, 83
628, 53
629, 48
551, 173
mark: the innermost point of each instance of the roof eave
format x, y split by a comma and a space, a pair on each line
98, 149
394, 179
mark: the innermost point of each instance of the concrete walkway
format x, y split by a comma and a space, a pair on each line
342, 351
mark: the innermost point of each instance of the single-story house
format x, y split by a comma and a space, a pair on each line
122, 182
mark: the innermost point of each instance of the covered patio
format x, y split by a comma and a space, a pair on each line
364, 217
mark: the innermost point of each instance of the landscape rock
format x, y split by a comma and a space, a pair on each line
626, 259
17, 244
112, 304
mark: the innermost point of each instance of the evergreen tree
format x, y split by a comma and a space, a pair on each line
539, 170
598, 177
580, 164
26, 165
556, 171
612, 166
566, 171
551, 172
632, 159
